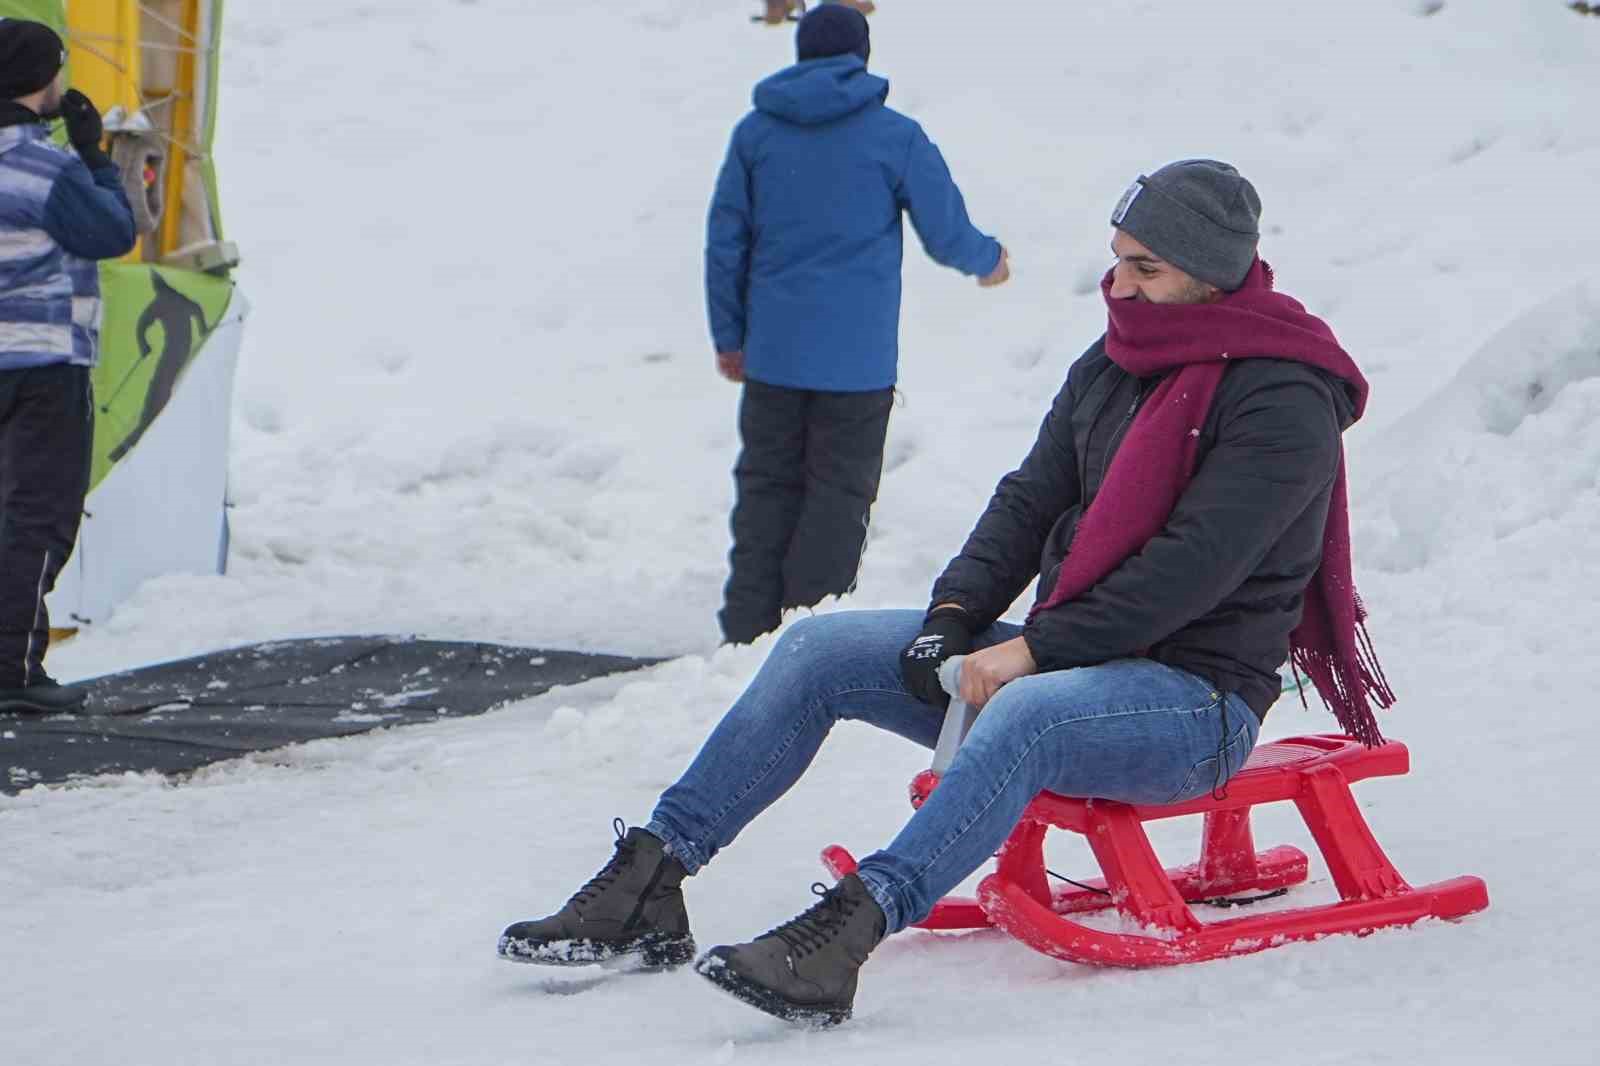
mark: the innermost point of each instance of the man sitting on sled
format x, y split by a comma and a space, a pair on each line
1184, 509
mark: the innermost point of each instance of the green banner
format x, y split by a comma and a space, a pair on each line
52, 13
157, 320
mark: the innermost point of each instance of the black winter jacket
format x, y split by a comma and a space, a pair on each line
1218, 591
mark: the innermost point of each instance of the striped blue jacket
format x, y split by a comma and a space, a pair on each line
56, 219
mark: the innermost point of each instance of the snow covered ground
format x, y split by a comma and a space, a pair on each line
477, 401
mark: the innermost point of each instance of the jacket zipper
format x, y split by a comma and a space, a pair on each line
1083, 453
1116, 438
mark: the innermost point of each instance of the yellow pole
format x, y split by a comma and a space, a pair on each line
183, 132
103, 56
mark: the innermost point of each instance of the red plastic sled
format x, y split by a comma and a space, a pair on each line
1315, 772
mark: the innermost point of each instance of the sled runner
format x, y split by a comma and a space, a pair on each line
1315, 772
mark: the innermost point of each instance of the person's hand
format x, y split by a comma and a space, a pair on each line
731, 366
947, 632
983, 673
82, 119
1000, 274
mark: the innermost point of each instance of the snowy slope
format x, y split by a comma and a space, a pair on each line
477, 401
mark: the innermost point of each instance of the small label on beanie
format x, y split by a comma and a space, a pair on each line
1126, 202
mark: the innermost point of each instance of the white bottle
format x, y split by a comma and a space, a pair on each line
958, 718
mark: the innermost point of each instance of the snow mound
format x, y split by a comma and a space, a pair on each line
1512, 441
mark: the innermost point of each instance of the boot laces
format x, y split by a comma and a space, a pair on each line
610, 871
815, 928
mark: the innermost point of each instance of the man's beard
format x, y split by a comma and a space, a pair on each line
1194, 292
50, 106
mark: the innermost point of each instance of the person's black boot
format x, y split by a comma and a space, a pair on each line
44, 696
804, 971
630, 912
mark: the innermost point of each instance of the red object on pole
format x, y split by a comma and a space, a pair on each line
1315, 772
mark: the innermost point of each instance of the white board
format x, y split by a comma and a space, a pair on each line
163, 509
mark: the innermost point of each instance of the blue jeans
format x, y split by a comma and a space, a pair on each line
1132, 730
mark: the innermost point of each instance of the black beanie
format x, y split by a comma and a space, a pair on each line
31, 55
832, 30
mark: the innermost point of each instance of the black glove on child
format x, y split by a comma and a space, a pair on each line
84, 127
947, 632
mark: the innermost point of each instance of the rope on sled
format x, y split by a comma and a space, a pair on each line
1220, 901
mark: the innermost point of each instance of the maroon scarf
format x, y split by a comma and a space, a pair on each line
1157, 459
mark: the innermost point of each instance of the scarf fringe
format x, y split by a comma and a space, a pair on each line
1348, 688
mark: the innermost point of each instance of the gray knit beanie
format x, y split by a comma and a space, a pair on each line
1197, 214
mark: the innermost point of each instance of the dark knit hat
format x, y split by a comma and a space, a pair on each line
1197, 214
833, 30
31, 55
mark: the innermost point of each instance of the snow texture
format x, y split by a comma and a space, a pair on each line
478, 402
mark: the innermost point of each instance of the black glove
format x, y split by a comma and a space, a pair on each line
84, 128
947, 632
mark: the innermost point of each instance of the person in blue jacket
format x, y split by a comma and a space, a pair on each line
60, 211
803, 255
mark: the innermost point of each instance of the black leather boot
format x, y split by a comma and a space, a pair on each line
631, 912
44, 696
804, 971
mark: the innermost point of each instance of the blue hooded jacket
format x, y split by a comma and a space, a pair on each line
804, 241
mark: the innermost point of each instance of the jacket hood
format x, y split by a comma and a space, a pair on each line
820, 90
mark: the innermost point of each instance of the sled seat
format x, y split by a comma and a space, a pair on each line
1315, 772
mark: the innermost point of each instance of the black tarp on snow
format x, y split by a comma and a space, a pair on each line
181, 715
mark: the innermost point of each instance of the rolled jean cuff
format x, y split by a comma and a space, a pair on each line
686, 853
884, 896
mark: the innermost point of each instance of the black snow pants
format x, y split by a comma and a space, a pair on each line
46, 430
806, 480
